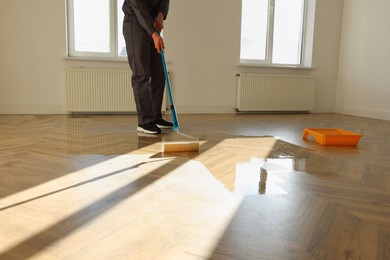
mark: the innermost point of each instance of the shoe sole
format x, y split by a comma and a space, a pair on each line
142, 134
140, 129
164, 127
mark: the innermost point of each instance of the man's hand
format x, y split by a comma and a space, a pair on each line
159, 22
158, 42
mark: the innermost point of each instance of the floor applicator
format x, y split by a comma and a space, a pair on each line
191, 145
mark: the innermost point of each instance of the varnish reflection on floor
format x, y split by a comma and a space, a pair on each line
91, 187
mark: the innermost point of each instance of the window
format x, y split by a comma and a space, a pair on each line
278, 32
95, 28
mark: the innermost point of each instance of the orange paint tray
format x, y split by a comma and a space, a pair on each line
326, 136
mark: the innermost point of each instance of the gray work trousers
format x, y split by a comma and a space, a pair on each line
148, 79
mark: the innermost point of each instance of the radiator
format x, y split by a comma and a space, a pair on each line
275, 93
99, 90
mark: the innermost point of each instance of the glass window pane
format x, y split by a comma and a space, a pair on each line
92, 25
121, 41
254, 19
287, 40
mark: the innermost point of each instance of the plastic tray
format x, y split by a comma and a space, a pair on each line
330, 136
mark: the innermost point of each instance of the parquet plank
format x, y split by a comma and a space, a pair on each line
91, 187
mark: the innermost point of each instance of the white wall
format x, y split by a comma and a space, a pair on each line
204, 47
31, 65
33, 47
202, 40
364, 77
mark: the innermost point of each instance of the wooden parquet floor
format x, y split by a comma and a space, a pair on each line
91, 187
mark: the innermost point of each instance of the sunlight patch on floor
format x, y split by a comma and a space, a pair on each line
43, 206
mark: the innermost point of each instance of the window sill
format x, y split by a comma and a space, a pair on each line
259, 65
78, 58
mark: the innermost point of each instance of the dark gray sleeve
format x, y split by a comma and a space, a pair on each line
163, 8
143, 15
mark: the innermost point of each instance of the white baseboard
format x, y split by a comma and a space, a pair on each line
204, 110
363, 112
62, 110
322, 110
32, 110
353, 111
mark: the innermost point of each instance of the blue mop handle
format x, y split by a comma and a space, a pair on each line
173, 111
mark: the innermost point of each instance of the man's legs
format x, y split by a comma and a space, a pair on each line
157, 81
138, 53
148, 79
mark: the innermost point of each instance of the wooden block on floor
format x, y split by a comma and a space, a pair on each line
180, 146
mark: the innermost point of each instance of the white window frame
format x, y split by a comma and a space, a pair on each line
113, 52
306, 42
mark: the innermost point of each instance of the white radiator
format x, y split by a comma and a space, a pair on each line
275, 93
100, 90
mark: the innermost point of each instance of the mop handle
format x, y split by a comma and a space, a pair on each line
173, 111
